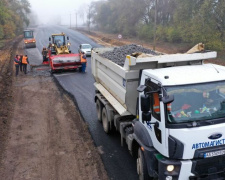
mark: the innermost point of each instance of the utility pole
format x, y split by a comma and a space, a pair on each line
70, 20
154, 43
76, 18
89, 17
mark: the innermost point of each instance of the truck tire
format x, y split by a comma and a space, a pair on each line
99, 110
105, 122
142, 166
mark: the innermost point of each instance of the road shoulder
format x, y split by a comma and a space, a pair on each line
48, 138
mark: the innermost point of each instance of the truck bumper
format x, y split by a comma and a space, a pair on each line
66, 67
199, 169
30, 45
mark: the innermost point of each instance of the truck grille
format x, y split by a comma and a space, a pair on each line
209, 168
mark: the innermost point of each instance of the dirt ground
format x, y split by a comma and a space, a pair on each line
112, 40
42, 135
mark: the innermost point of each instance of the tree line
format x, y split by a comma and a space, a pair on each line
189, 21
13, 17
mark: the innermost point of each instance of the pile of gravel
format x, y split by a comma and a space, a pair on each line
39, 70
118, 55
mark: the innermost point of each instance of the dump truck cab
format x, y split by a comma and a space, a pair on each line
185, 121
29, 39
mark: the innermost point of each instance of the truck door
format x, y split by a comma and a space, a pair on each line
157, 134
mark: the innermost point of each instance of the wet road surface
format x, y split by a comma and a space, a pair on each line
119, 164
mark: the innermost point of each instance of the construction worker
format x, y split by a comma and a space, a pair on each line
17, 64
83, 59
21, 65
44, 54
24, 63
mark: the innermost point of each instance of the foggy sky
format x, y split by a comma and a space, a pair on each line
53, 11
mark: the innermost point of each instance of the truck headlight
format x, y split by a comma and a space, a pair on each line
170, 168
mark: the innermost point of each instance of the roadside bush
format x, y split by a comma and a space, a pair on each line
1, 32
216, 45
9, 30
173, 34
161, 33
145, 32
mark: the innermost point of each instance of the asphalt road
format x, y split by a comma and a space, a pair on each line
119, 164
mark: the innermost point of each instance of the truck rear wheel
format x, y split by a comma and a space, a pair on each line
99, 110
142, 166
105, 121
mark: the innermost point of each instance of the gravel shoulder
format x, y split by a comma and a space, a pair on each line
45, 136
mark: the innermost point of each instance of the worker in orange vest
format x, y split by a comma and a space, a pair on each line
24, 63
83, 60
45, 54
17, 64
21, 65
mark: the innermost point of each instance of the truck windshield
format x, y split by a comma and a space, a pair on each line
28, 34
59, 40
86, 46
196, 102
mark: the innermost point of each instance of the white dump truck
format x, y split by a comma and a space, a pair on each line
169, 109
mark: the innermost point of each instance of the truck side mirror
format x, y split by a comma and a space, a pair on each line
50, 39
145, 103
146, 116
68, 38
168, 99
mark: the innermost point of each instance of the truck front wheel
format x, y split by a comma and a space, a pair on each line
105, 121
142, 166
99, 110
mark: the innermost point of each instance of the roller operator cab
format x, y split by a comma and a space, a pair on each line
59, 54
29, 39
169, 109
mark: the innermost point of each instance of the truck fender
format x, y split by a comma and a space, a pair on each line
143, 138
141, 135
101, 99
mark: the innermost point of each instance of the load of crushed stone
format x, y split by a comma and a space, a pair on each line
118, 55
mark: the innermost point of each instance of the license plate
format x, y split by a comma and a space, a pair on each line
215, 153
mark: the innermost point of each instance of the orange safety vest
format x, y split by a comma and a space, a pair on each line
82, 60
24, 60
169, 108
156, 105
16, 62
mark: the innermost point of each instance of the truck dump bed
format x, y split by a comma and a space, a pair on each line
119, 84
